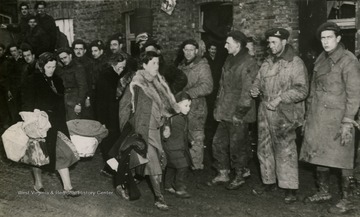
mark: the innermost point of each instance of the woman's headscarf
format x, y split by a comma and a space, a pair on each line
43, 59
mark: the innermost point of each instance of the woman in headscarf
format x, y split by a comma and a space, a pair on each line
45, 91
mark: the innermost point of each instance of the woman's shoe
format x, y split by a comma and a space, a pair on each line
161, 204
122, 193
182, 194
40, 190
71, 193
170, 190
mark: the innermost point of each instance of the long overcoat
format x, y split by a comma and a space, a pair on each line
335, 91
38, 94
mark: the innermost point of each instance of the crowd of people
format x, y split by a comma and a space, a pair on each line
157, 111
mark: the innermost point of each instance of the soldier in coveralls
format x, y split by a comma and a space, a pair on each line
332, 105
282, 83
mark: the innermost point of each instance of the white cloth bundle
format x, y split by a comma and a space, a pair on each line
15, 141
36, 124
85, 146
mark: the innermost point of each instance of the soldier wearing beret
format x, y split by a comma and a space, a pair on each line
234, 110
282, 85
332, 105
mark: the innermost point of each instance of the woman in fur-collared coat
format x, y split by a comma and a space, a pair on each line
145, 103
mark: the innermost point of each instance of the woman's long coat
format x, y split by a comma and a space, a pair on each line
38, 94
335, 95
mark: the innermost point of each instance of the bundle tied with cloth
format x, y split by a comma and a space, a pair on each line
86, 135
25, 141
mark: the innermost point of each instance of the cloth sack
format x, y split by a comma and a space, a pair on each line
66, 154
85, 146
15, 142
36, 153
36, 124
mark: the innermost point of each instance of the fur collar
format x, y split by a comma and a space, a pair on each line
156, 89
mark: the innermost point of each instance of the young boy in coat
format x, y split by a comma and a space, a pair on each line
177, 149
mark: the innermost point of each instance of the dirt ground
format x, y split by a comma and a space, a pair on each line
98, 199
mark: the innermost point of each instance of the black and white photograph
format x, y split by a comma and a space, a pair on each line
182, 108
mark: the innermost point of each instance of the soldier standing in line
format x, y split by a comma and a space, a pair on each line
282, 83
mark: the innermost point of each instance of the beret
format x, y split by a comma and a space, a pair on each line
327, 26
190, 41
238, 36
277, 32
117, 37
97, 43
153, 43
142, 37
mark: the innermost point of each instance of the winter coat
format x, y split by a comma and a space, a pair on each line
233, 99
200, 84
137, 101
17, 73
98, 66
334, 96
284, 76
47, 23
38, 39
86, 63
38, 94
176, 146
21, 27
4, 83
175, 78
107, 104
75, 83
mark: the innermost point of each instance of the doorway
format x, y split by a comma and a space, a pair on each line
216, 21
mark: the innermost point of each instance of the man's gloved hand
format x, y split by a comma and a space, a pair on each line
272, 105
345, 133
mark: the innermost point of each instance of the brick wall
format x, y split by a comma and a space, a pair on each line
99, 19
254, 17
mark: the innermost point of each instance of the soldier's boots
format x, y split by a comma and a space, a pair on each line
322, 179
264, 189
222, 177
345, 205
238, 180
246, 172
290, 196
